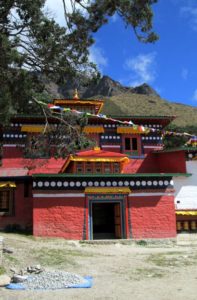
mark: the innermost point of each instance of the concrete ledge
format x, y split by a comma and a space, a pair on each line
141, 242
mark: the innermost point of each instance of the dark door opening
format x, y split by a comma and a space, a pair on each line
106, 221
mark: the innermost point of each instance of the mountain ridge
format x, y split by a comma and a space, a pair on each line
122, 100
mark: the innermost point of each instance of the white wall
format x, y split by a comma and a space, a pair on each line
186, 188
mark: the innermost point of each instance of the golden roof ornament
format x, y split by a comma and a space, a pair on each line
76, 96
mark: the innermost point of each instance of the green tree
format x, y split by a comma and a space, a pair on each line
34, 46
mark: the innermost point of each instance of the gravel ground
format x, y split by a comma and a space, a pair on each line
135, 271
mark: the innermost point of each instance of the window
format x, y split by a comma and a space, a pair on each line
98, 168
107, 168
116, 168
6, 202
79, 167
134, 143
88, 168
127, 144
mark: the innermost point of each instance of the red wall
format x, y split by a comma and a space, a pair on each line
22, 210
59, 217
171, 162
152, 217
12, 152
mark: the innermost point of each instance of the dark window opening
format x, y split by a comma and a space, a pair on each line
107, 168
88, 168
79, 168
127, 144
98, 168
116, 168
6, 202
134, 143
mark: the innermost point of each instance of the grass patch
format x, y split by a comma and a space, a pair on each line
51, 257
10, 258
142, 243
2, 270
141, 273
172, 259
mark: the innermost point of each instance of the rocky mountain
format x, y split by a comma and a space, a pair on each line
121, 100
104, 87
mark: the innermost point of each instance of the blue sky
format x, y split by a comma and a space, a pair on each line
169, 65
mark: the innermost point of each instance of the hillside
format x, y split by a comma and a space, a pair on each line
121, 100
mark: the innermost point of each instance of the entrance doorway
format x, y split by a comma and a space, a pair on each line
107, 221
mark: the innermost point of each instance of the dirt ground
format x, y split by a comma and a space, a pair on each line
139, 271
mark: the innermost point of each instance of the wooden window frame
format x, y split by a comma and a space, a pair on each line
10, 200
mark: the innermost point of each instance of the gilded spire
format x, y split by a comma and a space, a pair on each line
76, 96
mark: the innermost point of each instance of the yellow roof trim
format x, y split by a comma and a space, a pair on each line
121, 160
130, 130
32, 128
5, 184
93, 129
186, 213
107, 190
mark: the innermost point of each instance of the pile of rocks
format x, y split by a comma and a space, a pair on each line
36, 278
52, 280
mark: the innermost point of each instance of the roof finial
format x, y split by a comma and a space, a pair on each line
76, 96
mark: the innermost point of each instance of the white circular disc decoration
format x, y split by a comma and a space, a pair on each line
171, 182
114, 183
59, 183
143, 182
46, 183
108, 183
96, 183
132, 183
84, 183
53, 183
120, 183
78, 183
166, 182
40, 183
72, 183
155, 182
102, 183
160, 182
65, 183
90, 183
126, 183
34, 184
149, 183
138, 183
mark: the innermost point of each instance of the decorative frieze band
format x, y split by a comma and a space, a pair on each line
83, 183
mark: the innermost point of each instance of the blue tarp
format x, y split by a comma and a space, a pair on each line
87, 284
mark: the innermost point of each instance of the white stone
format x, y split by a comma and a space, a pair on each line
4, 280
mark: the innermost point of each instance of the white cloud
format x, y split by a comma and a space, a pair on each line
195, 95
184, 73
56, 10
189, 11
98, 57
142, 68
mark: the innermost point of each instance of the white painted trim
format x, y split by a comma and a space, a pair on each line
153, 147
110, 146
57, 195
13, 145
150, 194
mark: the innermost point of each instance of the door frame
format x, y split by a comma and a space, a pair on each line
122, 211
